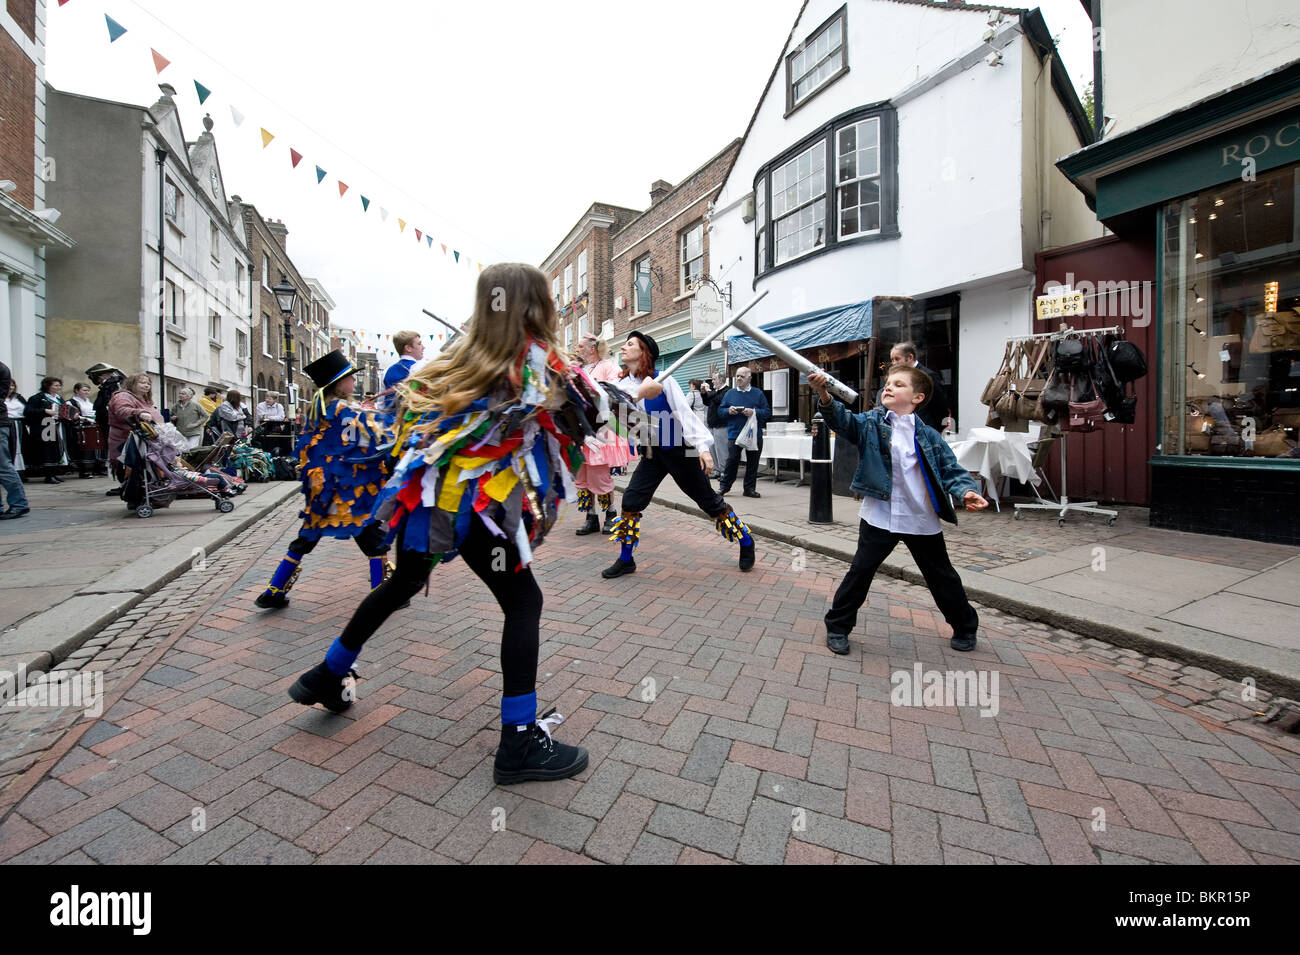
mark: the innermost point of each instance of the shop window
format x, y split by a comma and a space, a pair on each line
1230, 341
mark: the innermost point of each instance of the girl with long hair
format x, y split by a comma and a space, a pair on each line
343, 455
491, 430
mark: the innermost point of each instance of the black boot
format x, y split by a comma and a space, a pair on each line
619, 568
610, 518
529, 753
591, 527
321, 685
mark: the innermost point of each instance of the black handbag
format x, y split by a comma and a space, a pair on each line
1070, 355
1126, 359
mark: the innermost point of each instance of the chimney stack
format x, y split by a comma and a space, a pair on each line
281, 233
658, 189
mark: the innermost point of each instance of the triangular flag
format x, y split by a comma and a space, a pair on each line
480, 266
237, 116
320, 175
295, 157
160, 62
343, 187
444, 247
202, 90
62, 2
115, 29
365, 204
455, 253
428, 238
401, 225
266, 137
383, 214
418, 235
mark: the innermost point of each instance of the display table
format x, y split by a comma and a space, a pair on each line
792, 447
995, 454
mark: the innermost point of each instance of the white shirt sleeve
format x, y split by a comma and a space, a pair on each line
693, 429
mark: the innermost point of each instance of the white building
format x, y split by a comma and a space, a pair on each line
26, 225
125, 174
895, 182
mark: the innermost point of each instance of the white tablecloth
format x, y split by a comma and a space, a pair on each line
994, 454
791, 447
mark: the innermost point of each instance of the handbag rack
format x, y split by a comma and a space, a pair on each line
1066, 505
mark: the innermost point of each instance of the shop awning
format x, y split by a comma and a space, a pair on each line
839, 324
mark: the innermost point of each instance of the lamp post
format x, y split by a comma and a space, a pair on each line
286, 296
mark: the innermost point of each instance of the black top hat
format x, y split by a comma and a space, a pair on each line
98, 369
651, 345
330, 368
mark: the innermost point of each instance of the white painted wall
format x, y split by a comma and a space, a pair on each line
1161, 55
989, 315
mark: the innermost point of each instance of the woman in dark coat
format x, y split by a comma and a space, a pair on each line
47, 443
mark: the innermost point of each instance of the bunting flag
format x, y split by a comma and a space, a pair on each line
480, 268
266, 137
401, 225
343, 187
115, 29
444, 247
457, 254
160, 62
418, 235
295, 157
428, 238
383, 214
237, 116
365, 204
202, 90
320, 175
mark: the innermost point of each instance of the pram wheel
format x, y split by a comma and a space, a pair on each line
225, 506
144, 510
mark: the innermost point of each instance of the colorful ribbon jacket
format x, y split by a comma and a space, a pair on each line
344, 462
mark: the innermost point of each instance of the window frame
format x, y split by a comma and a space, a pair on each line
214, 324
682, 262
636, 292
842, 16
242, 346
266, 271
555, 288
266, 335
582, 272
809, 150
568, 283
214, 233
827, 135
878, 177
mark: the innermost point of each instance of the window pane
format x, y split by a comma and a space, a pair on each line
848, 139
849, 222
869, 162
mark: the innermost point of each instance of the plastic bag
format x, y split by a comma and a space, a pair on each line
748, 437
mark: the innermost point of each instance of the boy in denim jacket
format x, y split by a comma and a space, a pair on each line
906, 474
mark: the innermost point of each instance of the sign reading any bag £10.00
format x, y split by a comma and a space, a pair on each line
1062, 303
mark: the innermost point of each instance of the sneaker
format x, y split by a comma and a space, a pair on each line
13, 513
269, 601
530, 753
321, 685
591, 527
837, 642
746, 556
619, 568
962, 643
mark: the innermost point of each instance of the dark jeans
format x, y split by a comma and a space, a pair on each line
517, 594
655, 464
734, 454
370, 540
15, 496
931, 556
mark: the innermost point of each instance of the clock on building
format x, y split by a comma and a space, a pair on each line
216, 183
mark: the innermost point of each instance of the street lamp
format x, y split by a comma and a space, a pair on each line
286, 296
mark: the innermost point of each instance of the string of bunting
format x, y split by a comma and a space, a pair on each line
116, 30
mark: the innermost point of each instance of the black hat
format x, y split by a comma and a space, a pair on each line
326, 370
99, 368
651, 345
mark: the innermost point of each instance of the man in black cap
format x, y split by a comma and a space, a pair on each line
674, 442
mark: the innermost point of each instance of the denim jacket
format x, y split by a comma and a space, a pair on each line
872, 434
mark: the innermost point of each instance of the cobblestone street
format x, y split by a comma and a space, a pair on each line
719, 726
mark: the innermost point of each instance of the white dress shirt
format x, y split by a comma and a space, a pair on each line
694, 430
270, 411
909, 509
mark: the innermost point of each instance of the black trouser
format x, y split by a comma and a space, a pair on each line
494, 560
655, 464
931, 556
734, 452
370, 540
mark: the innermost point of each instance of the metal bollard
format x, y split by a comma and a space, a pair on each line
819, 496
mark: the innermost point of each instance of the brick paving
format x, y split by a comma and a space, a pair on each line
720, 728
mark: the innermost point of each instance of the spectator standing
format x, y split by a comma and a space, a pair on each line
717, 423
132, 402
47, 445
229, 418
188, 417
739, 404
211, 399
84, 444
936, 409
269, 409
108, 380
15, 495
15, 404
410, 347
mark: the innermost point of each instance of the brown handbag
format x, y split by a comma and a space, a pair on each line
1272, 443
998, 384
1278, 331
1005, 403
1029, 390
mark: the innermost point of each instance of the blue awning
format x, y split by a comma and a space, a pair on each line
826, 326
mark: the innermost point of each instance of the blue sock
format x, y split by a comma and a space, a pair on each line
745, 539
376, 572
339, 658
625, 554
519, 710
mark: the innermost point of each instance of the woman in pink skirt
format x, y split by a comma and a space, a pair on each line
594, 480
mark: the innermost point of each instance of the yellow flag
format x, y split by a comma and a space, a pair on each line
266, 138
401, 225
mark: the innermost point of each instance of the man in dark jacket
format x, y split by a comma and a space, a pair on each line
738, 405
108, 380
713, 395
15, 496
937, 408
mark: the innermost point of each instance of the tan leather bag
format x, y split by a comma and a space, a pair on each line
998, 384
1271, 443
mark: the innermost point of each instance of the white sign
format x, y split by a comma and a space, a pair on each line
706, 312
1064, 302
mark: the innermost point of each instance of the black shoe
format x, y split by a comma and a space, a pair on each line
269, 601
530, 753
723, 490
619, 568
837, 642
113, 492
321, 685
591, 527
611, 518
13, 513
962, 643
83, 476
752, 494
746, 556
51, 479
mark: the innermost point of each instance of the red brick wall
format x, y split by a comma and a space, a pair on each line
24, 14
18, 110
600, 288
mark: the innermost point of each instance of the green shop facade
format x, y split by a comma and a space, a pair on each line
1219, 182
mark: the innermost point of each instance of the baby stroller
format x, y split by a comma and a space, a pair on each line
213, 462
156, 476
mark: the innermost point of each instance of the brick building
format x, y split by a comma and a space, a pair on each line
658, 260
581, 280
26, 225
267, 241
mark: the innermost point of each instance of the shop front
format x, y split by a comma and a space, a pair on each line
1218, 182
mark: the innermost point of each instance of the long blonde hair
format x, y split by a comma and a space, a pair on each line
512, 306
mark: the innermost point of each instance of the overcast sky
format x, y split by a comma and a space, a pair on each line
490, 124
